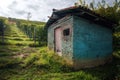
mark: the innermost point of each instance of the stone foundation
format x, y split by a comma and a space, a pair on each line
80, 64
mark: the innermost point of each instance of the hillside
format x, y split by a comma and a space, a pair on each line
21, 58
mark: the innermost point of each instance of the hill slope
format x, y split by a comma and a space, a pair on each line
19, 61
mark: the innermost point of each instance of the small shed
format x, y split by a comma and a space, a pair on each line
81, 36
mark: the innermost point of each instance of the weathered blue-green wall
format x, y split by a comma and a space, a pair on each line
67, 46
91, 41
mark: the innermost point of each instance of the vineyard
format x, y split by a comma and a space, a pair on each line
34, 30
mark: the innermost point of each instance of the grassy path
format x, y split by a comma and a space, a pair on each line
16, 47
15, 41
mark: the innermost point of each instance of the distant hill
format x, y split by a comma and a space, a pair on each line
23, 20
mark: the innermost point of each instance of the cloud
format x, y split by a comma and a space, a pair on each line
12, 6
14, 3
20, 12
39, 9
34, 7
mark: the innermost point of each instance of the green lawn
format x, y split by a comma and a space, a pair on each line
19, 61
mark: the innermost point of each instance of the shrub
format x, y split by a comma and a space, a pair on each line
30, 59
8, 63
117, 54
48, 60
20, 44
18, 39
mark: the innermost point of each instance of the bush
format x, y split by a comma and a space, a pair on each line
34, 45
30, 59
117, 54
18, 39
5, 43
48, 60
20, 44
8, 63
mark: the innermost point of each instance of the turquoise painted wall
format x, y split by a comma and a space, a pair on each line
67, 46
90, 41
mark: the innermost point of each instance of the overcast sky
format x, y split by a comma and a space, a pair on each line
39, 9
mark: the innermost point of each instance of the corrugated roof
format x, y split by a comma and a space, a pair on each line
80, 12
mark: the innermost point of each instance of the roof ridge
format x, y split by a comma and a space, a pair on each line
76, 10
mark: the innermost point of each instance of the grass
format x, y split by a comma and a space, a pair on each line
58, 76
45, 65
20, 60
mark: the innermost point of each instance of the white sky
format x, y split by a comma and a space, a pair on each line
39, 9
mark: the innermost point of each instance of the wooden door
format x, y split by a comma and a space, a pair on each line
58, 41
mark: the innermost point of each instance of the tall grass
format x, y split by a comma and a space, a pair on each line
47, 60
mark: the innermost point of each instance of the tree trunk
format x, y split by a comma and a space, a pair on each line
2, 36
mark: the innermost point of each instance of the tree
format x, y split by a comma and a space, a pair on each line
92, 5
29, 16
2, 28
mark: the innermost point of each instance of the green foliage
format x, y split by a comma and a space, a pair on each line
118, 76
104, 9
46, 59
116, 40
107, 11
117, 54
34, 31
68, 76
30, 59
7, 62
2, 28
1, 25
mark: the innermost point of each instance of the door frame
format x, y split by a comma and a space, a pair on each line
55, 38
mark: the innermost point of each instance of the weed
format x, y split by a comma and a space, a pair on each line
20, 44
18, 39
48, 60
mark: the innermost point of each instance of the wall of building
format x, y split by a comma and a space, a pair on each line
92, 43
67, 42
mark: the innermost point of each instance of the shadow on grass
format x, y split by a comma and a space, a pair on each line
108, 72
